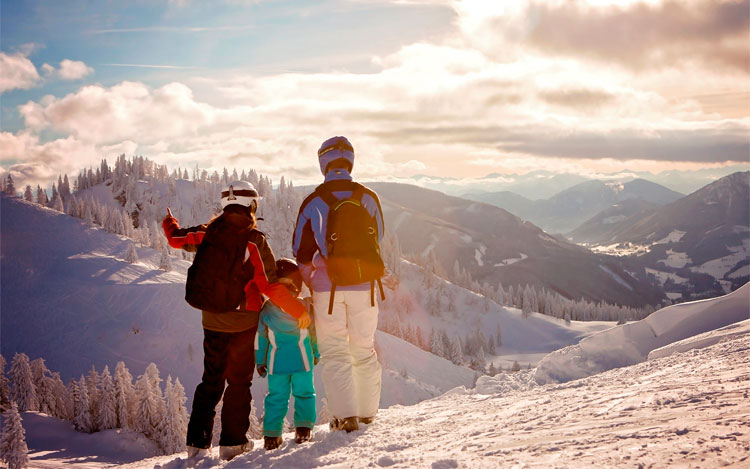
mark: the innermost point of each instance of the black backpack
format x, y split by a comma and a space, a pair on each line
351, 242
216, 280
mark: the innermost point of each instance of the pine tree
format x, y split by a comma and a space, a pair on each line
41, 196
165, 263
131, 256
10, 187
174, 423
44, 387
28, 194
13, 449
147, 410
107, 416
23, 391
81, 407
4, 386
92, 388
63, 402
516, 367
124, 395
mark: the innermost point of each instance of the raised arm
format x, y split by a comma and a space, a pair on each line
182, 238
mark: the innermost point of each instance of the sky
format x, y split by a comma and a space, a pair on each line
443, 88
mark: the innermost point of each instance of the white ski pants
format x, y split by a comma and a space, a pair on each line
350, 369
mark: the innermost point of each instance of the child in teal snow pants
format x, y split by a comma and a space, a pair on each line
287, 355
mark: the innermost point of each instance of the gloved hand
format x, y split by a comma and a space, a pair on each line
316, 360
169, 214
262, 371
303, 322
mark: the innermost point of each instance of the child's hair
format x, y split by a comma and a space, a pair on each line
288, 273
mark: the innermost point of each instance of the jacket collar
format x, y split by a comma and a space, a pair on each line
338, 174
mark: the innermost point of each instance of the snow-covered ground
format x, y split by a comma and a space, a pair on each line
688, 409
629, 344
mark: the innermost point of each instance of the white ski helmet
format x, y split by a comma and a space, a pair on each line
240, 193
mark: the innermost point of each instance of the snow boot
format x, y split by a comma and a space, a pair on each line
302, 434
271, 442
227, 453
366, 420
194, 455
349, 424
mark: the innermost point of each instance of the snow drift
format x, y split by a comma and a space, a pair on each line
629, 344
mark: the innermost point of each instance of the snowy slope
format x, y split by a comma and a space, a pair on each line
97, 310
629, 344
686, 410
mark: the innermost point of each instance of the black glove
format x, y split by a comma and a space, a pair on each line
262, 371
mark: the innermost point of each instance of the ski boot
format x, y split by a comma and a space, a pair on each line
271, 442
302, 434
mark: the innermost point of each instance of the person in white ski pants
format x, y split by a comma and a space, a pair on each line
350, 369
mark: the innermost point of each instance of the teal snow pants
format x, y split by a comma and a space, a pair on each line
300, 385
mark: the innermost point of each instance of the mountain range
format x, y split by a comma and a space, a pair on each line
571, 207
697, 245
497, 247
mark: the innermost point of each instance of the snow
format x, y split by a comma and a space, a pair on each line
631, 343
478, 253
617, 278
512, 260
719, 268
662, 277
702, 340
674, 237
677, 260
688, 409
614, 219
743, 271
673, 295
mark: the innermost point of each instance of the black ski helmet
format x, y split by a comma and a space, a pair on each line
288, 272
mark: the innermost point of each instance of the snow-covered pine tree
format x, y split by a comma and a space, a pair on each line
174, 423
63, 401
57, 203
147, 409
165, 262
491, 345
492, 371
23, 391
10, 187
41, 196
13, 449
92, 388
107, 415
516, 366
44, 387
4, 386
124, 395
436, 343
255, 431
82, 421
131, 256
152, 372
28, 194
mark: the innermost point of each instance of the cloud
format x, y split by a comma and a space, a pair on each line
33, 162
17, 72
73, 70
128, 111
638, 35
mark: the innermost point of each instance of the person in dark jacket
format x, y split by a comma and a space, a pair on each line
229, 336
